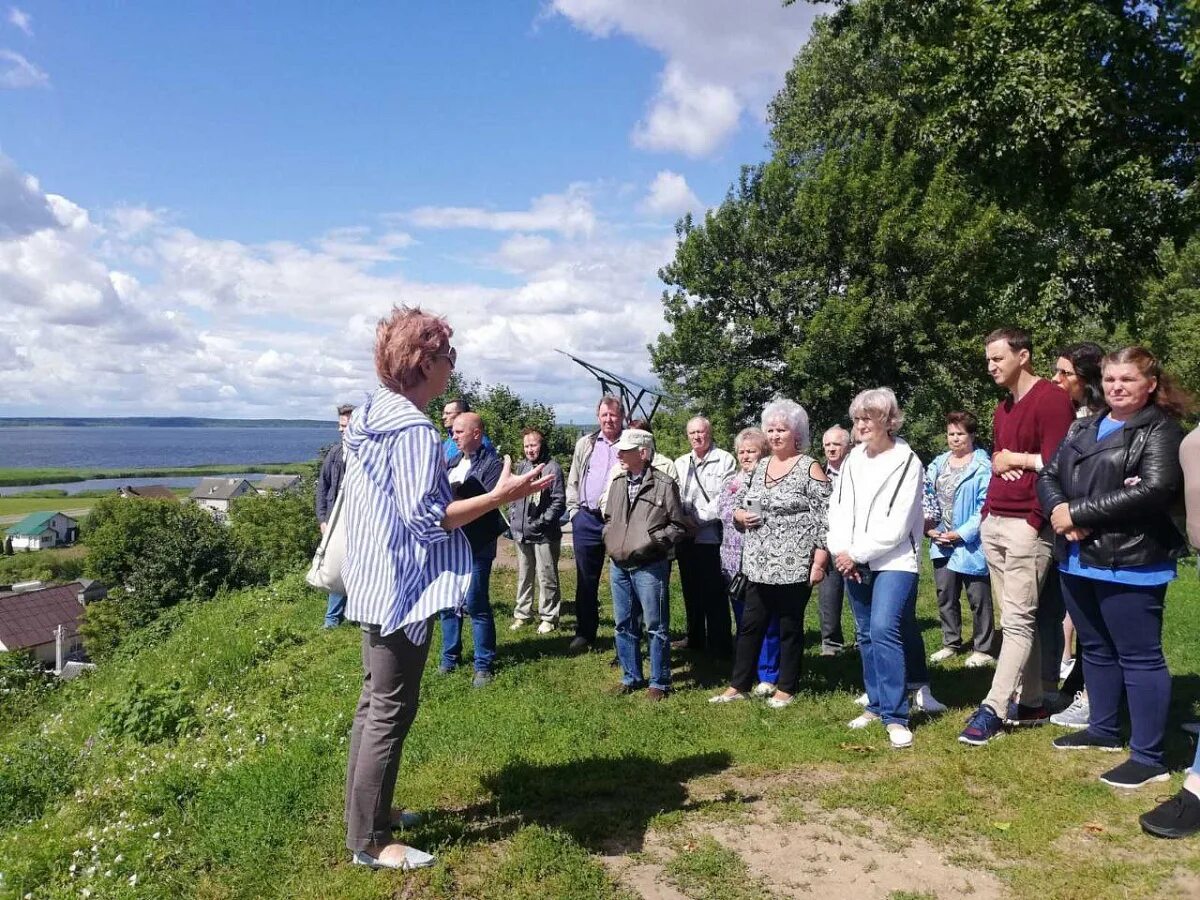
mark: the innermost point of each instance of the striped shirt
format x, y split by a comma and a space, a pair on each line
401, 566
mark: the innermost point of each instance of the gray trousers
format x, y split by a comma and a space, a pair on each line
540, 560
949, 585
392, 668
830, 597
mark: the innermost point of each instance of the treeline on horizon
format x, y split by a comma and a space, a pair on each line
153, 422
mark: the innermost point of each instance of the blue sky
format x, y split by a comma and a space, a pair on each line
205, 207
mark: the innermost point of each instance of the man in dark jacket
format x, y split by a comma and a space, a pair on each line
537, 536
476, 473
643, 521
329, 482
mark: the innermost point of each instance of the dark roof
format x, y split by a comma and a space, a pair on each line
220, 488
29, 618
277, 482
35, 523
150, 492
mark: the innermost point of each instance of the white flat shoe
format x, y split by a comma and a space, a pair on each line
545, 628
517, 625
862, 699
862, 721
899, 736
763, 689
978, 660
780, 703
727, 698
941, 655
395, 856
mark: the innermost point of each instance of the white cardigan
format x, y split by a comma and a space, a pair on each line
875, 511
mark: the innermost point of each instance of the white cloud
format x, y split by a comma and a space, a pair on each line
21, 19
669, 195
690, 116
211, 326
569, 213
17, 72
722, 57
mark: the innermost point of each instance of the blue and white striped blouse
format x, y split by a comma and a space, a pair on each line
401, 566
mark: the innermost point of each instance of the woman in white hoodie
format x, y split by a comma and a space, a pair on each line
875, 528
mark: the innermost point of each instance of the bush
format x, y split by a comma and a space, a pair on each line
162, 553
102, 629
23, 682
274, 534
149, 715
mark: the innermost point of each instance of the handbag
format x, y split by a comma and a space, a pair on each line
325, 572
737, 588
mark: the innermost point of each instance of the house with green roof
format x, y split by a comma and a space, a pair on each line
40, 530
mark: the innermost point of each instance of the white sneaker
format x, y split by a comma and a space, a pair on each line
727, 698
764, 689
1064, 668
780, 702
517, 625
979, 660
924, 700
546, 628
899, 735
941, 655
1074, 716
862, 699
862, 721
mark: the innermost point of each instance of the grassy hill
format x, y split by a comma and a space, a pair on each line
545, 784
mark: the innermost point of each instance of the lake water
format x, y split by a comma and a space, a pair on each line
105, 484
145, 446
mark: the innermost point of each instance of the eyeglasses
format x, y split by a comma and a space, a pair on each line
451, 355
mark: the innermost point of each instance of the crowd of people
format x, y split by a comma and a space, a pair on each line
1068, 526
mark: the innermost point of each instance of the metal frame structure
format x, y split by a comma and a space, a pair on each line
631, 393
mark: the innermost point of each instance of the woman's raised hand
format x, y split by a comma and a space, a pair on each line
512, 487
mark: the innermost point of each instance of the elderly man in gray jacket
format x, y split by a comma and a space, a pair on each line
702, 475
537, 535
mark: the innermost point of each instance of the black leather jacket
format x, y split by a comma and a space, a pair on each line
1131, 525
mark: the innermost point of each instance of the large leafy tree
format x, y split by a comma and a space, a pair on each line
939, 167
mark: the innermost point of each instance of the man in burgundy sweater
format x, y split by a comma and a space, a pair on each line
1027, 428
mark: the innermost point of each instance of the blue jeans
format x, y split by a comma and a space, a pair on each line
483, 625
1120, 628
640, 594
335, 610
768, 657
885, 609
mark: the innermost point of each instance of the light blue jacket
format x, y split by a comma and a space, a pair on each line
966, 557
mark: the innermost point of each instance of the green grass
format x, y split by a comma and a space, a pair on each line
11, 476
526, 783
19, 506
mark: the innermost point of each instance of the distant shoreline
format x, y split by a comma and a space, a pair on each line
10, 477
153, 422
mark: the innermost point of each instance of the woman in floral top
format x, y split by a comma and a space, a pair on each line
749, 447
783, 517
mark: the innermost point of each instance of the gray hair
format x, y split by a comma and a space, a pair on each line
879, 404
754, 435
792, 414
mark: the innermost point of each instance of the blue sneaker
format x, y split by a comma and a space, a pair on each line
981, 727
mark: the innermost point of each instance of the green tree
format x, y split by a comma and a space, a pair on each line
1170, 317
274, 533
160, 552
938, 168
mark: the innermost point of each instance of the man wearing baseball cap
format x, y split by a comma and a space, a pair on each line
643, 521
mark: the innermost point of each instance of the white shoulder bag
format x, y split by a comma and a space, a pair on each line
325, 573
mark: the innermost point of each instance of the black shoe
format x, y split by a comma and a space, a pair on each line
1174, 818
1131, 774
1085, 740
579, 645
1022, 716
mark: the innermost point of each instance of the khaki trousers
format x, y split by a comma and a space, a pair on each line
540, 560
1018, 561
